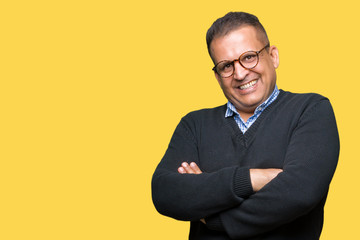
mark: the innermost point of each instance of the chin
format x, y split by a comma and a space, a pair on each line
253, 102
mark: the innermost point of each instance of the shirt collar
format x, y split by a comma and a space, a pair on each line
231, 110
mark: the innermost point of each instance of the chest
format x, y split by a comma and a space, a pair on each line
264, 148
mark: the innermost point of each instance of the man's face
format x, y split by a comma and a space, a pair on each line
246, 88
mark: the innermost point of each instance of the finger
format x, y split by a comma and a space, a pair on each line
187, 168
181, 170
195, 167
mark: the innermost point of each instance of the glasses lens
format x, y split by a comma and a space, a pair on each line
225, 68
249, 59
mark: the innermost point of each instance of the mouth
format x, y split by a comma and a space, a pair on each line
248, 85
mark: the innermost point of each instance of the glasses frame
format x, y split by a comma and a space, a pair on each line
238, 59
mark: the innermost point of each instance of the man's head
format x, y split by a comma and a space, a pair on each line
246, 86
233, 21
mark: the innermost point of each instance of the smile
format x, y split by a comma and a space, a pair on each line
248, 85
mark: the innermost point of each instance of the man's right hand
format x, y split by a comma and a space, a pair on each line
261, 177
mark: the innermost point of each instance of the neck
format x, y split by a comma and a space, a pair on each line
245, 116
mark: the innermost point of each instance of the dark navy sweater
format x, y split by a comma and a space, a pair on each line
296, 133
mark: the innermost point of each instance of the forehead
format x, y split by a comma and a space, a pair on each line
233, 44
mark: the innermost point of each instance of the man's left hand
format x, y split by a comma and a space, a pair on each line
191, 168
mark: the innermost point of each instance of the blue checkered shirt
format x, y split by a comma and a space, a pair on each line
231, 111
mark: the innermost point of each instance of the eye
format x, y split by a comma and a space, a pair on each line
249, 57
225, 66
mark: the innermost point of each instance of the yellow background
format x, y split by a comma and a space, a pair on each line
91, 92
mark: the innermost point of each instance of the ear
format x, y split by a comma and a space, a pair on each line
218, 78
274, 54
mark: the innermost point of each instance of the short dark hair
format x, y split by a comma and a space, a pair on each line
232, 21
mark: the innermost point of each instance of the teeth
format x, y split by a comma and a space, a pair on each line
250, 84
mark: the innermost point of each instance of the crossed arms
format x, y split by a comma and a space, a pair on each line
247, 202
259, 177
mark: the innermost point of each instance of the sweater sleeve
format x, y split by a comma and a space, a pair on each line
191, 197
309, 165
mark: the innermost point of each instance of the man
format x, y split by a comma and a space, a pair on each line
258, 167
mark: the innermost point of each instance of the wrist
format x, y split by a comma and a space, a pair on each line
242, 182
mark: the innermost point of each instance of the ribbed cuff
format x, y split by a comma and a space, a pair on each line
242, 182
214, 223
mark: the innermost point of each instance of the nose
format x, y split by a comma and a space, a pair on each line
239, 71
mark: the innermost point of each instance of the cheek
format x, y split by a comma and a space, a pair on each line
268, 74
225, 84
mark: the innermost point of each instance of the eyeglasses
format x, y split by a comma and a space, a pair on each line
247, 60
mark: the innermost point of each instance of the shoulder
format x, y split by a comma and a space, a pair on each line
299, 105
207, 112
301, 101
207, 118
301, 97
